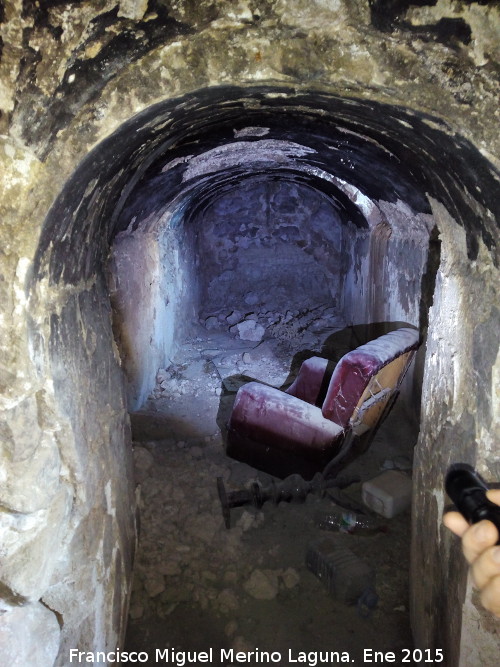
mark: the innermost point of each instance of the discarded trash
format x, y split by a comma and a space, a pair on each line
339, 519
388, 494
346, 577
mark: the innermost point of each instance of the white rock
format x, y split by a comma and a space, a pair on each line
250, 330
132, 9
29, 635
262, 585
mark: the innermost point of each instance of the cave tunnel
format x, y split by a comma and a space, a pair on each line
196, 196
219, 234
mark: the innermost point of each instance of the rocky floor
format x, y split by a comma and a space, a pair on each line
199, 585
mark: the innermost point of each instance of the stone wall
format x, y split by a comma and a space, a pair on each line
459, 423
410, 92
152, 298
266, 233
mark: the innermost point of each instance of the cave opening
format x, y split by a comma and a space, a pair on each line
215, 238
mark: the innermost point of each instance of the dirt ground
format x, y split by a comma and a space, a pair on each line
201, 586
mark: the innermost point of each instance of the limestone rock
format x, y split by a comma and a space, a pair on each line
162, 375
31, 460
133, 9
202, 527
250, 330
262, 585
29, 635
246, 520
28, 542
249, 520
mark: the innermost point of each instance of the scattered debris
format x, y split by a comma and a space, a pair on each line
389, 493
195, 581
348, 578
249, 330
262, 584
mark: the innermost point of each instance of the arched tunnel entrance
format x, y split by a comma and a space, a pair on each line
221, 234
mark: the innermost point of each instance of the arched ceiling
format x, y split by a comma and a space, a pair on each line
180, 152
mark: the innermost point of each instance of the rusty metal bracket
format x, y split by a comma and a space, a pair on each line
292, 489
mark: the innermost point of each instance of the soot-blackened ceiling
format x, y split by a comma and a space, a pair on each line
385, 152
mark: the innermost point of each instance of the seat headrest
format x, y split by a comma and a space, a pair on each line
356, 368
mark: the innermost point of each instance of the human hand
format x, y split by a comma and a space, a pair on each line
478, 545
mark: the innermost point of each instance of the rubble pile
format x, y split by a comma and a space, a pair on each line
255, 325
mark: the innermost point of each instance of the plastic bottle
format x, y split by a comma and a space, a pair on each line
345, 521
346, 577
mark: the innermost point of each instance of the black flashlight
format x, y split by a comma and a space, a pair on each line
468, 491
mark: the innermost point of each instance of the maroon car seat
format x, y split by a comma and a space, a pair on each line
288, 432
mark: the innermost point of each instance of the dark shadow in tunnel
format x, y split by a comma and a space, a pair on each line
428, 283
186, 629
154, 425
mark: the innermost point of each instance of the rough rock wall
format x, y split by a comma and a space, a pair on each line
459, 422
72, 73
385, 266
221, 261
287, 235
152, 294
